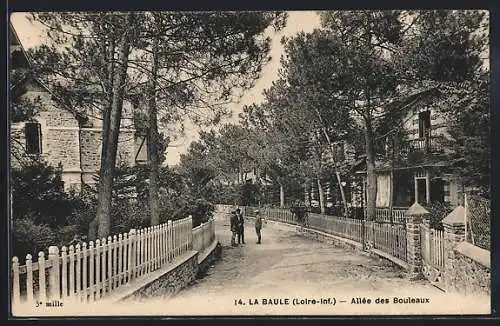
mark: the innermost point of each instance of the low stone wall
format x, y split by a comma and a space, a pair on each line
470, 273
329, 238
168, 281
211, 258
171, 281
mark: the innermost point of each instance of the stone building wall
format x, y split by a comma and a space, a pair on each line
59, 136
439, 122
91, 146
64, 142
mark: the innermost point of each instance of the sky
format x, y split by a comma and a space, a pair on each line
31, 34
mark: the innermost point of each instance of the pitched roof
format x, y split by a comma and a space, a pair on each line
14, 41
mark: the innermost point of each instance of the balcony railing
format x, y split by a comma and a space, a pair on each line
427, 145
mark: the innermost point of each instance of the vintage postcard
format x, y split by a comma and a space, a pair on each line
249, 163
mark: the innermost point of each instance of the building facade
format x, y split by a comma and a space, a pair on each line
57, 134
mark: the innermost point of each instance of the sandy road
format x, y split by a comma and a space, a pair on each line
291, 275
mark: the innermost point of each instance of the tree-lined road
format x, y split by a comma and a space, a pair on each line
287, 266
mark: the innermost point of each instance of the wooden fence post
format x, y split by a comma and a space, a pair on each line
29, 278
170, 240
16, 293
41, 277
131, 253
190, 240
54, 291
64, 272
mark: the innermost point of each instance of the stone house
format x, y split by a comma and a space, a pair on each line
57, 133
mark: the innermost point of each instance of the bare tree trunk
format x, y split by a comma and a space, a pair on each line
391, 184
321, 196
337, 173
282, 196
108, 54
371, 191
108, 160
153, 137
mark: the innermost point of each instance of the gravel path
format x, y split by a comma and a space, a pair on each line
288, 266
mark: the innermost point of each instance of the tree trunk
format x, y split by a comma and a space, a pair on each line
391, 184
337, 173
153, 137
108, 160
321, 196
282, 196
106, 115
371, 180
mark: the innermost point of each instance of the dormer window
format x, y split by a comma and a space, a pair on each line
424, 124
33, 136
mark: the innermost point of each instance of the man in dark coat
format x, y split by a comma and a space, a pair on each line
241, 227
258, 225
234, 227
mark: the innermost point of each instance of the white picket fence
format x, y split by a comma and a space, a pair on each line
203, 236
88, 272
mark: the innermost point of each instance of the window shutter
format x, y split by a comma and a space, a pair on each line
33, 135
420, 126
39, 133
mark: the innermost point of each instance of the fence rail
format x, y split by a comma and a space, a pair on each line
383, 214
88, 272
341, 226
203, 235
390, 238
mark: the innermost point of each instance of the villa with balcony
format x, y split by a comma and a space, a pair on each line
414, 168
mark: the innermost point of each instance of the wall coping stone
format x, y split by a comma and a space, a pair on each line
395, 260
416, 210
130, 288
456, 217
477, 254
203, 255
350, 242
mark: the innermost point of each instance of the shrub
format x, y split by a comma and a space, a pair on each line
29, 237
438, 211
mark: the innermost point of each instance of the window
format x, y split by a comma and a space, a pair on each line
141, 150
33, 135
424, 124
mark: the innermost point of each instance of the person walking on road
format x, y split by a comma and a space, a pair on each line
234, 228
241, 227
258, 225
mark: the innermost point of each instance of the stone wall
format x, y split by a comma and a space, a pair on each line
204, 265
171, 282
329, 239
470, 273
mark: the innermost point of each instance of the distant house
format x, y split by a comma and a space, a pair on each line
341, 157
420, 172
57, 133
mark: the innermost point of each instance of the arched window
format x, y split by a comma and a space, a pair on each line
33, 136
